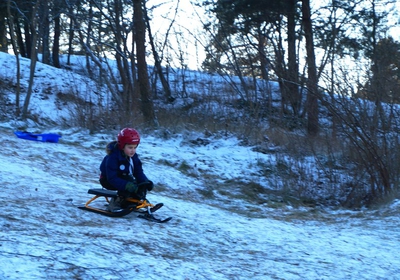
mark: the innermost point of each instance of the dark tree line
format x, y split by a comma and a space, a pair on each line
331, 54
271, 38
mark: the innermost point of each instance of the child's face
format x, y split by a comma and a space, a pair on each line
130, 150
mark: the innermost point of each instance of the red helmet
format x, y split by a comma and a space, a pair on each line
128, 136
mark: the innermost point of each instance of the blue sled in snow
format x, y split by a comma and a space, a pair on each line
46, 137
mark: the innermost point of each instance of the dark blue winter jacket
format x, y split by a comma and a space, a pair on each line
115, 168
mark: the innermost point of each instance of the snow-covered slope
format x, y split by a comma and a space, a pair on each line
45, 236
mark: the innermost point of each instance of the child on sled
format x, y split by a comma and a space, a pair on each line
121, 170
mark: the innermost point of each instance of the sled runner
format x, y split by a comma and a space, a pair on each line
143, 207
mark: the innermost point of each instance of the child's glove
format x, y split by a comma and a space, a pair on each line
131, 187
142, 190
150, 185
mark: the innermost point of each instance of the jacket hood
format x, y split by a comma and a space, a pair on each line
112, 147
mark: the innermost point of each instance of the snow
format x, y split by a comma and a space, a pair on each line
45, 236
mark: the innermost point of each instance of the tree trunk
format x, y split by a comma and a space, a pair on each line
88, 37
20, 40
312, 81
3, 32
56, 43
44, 30
28, 38
293, 68
33, 54
70, 34
15, 49
157, 64
143, 76
262, 42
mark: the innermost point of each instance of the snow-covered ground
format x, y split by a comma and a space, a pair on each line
45, 236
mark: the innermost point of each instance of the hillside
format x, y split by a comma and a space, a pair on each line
215, 233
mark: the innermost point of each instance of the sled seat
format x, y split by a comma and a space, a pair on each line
144, 207
109, 194
103, 192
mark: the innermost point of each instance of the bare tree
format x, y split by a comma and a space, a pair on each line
33, 55
157, 61
312, 80
143, 76
16, 52
4, 13
43, 37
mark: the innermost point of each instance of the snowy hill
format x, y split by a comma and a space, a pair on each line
211, 236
